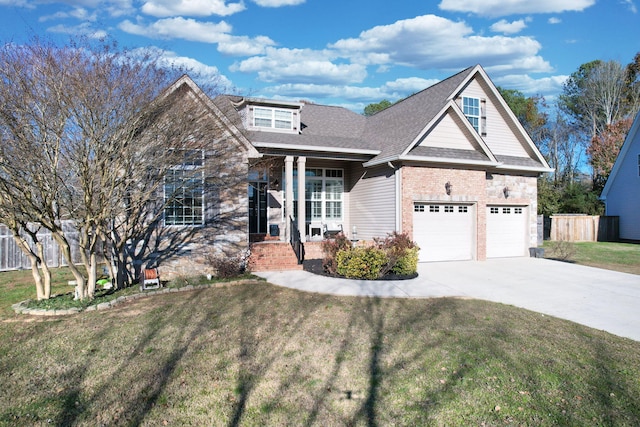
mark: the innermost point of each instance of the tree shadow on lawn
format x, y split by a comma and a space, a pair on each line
309, 359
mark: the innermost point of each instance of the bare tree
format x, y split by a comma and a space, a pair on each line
89, 134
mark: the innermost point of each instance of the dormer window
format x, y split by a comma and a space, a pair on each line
273, 118
471, 109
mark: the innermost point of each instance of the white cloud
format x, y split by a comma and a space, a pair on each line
278, 3
79, 13
631, 5
356, 97
200, 72
512, 7
546, 86
179, 28
164, 8
430, 41
205, 32
83, 29
554, 20
300, 66
505, 27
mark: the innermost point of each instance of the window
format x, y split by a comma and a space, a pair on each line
323, 194
494, 210
274, 118
471, 109
463, 209
506, 210
517, 211
448, 209
183, 190
434, 208
418, 208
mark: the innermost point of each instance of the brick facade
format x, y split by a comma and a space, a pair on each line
477, 187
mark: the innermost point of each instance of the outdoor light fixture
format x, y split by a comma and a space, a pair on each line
448, 187
506, 192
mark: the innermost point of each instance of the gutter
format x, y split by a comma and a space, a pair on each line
315, 148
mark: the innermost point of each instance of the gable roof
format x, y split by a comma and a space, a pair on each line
632, 136
396, 132
234, 128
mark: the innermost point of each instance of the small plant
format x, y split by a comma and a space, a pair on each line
362, 263
330, 248
226, 267
562, 250
402, 253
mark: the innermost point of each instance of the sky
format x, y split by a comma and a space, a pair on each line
347, 52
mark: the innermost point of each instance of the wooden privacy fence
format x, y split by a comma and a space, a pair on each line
584, 228
12, 258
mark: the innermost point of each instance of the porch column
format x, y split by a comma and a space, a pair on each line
302, 214
288, 194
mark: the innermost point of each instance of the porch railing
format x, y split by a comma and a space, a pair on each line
296, 241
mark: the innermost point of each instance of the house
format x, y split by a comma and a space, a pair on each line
621, 193
450, 165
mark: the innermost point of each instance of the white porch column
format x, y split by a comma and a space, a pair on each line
288, 209
302, 214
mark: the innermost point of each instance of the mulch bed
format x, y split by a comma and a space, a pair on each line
315, 266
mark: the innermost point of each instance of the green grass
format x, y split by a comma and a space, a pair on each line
257, 355
623, 257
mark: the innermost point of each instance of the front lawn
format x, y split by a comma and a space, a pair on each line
257, 354
623, 257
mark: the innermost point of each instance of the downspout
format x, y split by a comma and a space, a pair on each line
398, 193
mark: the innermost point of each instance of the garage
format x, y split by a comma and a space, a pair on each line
444, 232
507, 231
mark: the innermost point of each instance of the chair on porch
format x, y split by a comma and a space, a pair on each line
331, 229
149, 279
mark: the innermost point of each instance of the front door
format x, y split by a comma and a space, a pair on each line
257, 207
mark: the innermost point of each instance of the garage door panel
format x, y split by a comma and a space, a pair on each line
444, 232
507, 228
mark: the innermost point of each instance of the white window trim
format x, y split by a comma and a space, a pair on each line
185, 167
323, 198
469, 116
273, 119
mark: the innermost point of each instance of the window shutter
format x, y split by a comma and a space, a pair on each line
483, 117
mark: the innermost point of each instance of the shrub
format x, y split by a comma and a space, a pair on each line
407, 264
562, 250
330, 248
361, 263
402, 253
226, 267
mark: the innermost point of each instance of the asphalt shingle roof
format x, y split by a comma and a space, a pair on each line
388, 132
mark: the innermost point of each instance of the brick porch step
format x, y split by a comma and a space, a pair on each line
270, 256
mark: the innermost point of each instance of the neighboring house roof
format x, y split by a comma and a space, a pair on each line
632, 136
396, 133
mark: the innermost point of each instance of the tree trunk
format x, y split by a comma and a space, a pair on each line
35, 271
46, 273
66, 253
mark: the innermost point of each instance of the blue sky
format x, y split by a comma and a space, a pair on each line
349, 52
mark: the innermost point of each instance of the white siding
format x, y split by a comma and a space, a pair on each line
500, 137
372, 202
623, 199
449, 133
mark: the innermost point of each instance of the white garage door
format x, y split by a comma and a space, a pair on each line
507, 231
444, 232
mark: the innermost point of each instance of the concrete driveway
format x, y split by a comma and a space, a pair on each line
597, 298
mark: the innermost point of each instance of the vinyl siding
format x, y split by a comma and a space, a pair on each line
500, 136
372, 201
449, 133
623, 199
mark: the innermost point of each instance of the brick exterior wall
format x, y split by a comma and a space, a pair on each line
427, 184
185, 252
